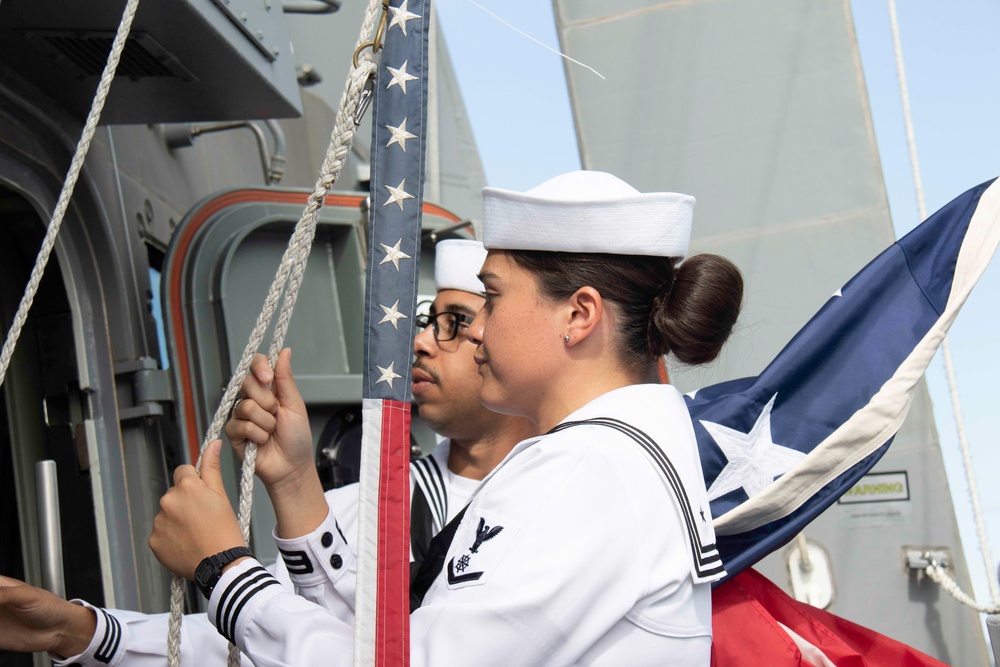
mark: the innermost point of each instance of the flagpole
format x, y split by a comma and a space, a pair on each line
399, 122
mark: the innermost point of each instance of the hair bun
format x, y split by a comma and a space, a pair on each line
693, 317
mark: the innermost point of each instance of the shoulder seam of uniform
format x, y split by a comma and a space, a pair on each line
706, 559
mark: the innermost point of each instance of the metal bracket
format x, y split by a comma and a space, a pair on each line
150, 388
918, 559
810, 573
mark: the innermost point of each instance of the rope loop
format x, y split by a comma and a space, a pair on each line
938, 574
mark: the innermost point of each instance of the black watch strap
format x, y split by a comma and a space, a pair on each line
210, 569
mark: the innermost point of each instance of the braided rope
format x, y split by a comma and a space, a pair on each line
956, 406
938, 574
287, 281
82, 148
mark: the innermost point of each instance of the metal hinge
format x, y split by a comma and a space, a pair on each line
150, 389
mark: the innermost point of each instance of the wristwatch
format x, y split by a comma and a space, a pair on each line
210, 570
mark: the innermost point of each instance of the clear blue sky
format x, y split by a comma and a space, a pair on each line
521, 117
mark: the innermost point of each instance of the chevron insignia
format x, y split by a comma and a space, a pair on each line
488, 537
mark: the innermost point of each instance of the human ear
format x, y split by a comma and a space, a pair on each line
585, 311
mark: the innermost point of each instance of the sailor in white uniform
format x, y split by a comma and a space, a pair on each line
591, 544
445, 389
475, 440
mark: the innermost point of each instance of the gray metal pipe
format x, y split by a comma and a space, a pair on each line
993, 626
49, 527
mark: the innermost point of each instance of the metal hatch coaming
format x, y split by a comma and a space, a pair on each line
217, 272
96, 296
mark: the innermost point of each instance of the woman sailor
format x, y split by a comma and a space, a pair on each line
591, 544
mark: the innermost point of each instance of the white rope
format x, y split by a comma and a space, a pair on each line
82, 147
963, 443
536, 41
287, 282
938, 574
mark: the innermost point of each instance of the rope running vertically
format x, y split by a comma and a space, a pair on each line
287, 282
935, 572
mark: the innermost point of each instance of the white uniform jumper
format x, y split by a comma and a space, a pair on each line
577, 549
133, 638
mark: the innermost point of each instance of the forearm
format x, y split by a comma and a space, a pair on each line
322, 568
140, 640
77, 630
299, 504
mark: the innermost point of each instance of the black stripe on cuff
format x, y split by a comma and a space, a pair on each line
112, 639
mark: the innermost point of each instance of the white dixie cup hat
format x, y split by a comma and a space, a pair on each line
457, 264
588, 211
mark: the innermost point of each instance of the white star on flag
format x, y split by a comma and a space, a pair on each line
393, 254
392, 314
754, 458
400, 15
388, 375
400, 77
399, 135
397, 194
839, 292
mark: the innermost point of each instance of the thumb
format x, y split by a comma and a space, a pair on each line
211, 468
10, 581
284, 384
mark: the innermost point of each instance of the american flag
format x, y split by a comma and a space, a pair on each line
397, 168
779, 448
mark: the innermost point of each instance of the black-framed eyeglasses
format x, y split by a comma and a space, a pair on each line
446, 325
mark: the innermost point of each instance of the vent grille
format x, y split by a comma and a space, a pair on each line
90, 54
87, 52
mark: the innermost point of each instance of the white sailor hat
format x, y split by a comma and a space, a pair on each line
457, 263
588, 211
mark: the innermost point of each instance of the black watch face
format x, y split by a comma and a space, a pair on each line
204, 576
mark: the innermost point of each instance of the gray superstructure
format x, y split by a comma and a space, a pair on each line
759, 109
227, 111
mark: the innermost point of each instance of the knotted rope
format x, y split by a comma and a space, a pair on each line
286, 282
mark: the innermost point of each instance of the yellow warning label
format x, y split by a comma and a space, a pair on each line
878, 488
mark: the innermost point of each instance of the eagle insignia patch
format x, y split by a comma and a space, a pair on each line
482, 541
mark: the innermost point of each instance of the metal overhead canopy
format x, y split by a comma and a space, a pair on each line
185, 60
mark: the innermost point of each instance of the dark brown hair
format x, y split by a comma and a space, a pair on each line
686, 309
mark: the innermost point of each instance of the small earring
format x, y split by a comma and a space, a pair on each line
566, 338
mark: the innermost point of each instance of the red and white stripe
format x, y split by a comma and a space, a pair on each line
382, 633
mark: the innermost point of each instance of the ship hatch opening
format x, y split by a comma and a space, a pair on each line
42, 414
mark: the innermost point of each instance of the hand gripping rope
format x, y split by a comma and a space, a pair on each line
287, 281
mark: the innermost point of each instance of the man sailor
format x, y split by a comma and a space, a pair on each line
590, 544
446, 389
